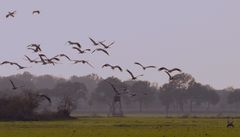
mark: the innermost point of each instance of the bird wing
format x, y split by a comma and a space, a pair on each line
32, 49
175, 69
55, 58
170, 77
111, 44
95, 43
113, 87
19, 66
12, 83
106, 65
140, 75
46, 97
63, 55
36, 11
6, 62
78, 44
77, 49
87, 50
118, 68
150, 67
28, 58
103, 51
89, 64
130, 73
137, 63
105, 46
163, 68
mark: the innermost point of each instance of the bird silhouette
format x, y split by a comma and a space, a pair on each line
132, 94
132, 76
13, 63
11, 14
31, 60
106, 46
64, 55
75, 43
144, 67
13, 85
34, 47
99, 49
36, 12
81, 51
170, 70
83, 62
112, 67
19, 66
46, 97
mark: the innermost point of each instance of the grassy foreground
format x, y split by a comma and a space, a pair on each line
122, 127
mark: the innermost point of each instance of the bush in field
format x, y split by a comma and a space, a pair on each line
18, 107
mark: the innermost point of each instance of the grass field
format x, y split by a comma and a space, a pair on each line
122, 127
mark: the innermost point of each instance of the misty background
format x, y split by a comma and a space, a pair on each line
200, 37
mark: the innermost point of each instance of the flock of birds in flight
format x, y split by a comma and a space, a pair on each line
101, 46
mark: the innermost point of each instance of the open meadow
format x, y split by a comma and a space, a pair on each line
122, 127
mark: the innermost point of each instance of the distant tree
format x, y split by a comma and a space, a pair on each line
69, 94
196, 94
234, 98
90, 81
166, 96
176, 90
212, 97
47, 81
19, 107
144, 93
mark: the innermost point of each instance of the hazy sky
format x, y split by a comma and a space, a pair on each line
202, 37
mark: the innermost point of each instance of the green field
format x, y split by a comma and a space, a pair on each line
122, 127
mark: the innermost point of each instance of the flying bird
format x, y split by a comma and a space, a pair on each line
107, 46
43, 58
81, 51
13, 85
99, 49
19, 66
144, 67
35, 47
64, 55
83, 62
75, 43
13, 63
112, 67
11, 14
46, 97
31, 60
36, 12
133, 77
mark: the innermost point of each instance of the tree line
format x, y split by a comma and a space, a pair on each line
91, 95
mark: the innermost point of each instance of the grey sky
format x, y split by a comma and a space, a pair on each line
199, 36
